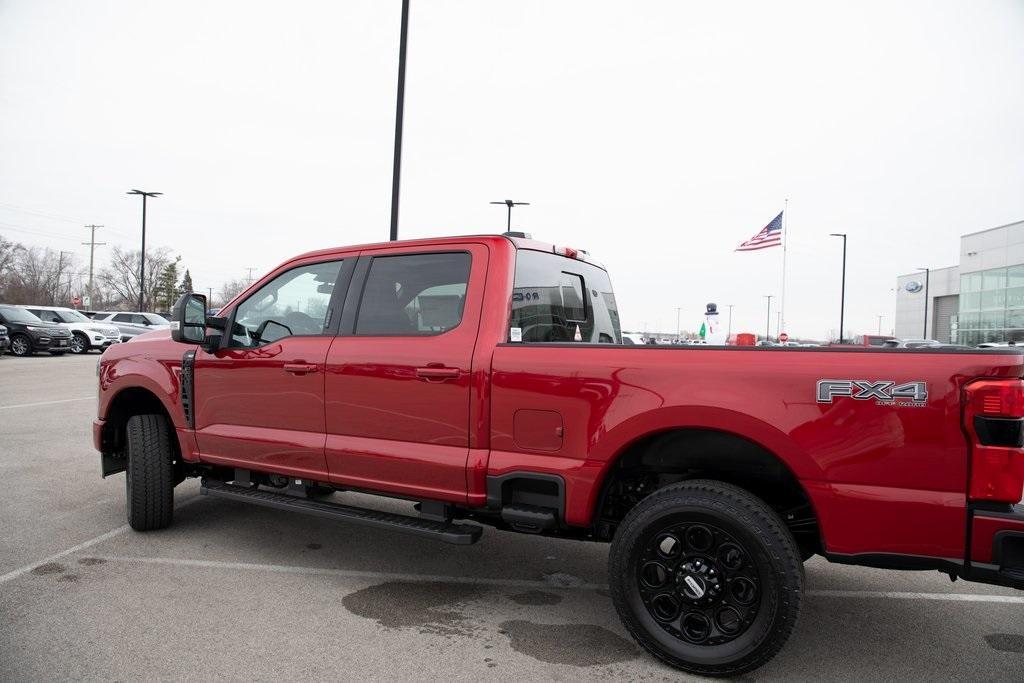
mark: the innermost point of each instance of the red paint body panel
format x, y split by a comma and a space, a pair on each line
882, 478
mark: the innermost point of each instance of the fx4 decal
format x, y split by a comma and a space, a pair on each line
865, 390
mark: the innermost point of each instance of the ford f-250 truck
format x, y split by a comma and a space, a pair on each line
485, 378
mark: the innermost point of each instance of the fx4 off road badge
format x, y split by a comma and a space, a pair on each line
884, 392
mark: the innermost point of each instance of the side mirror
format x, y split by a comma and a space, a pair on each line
188, 323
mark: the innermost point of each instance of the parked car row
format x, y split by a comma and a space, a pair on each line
59, 330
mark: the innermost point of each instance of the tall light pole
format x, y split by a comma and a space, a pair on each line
142, 254
509, 203
927, 275
880, 324
728, 334
842, 291
678, 308
396, 173
768, 324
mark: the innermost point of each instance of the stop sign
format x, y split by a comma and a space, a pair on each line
783, 337
77, 301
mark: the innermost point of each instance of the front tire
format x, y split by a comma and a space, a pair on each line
21, 345
149, 477
706, 577
79, 343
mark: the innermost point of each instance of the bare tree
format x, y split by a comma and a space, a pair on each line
229, 289
121, 277
33, 275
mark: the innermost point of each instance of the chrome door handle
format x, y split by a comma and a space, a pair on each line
438, 374
299, 368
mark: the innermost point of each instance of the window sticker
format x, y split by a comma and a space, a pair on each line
516, 334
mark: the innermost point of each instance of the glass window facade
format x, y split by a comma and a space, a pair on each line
991, 306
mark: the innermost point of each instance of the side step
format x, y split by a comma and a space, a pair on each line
459, 534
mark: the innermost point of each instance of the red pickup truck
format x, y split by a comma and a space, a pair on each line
485, 378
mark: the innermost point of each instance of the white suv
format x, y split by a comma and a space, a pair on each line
86, 334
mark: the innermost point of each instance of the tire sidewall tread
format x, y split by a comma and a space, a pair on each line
149, 482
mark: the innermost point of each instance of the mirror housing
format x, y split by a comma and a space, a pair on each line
188, 320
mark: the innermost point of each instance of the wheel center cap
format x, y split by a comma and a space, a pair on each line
695, 588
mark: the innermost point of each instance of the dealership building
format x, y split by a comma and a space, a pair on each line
981, 299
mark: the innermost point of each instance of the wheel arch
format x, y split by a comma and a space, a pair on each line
129, 401
675, 453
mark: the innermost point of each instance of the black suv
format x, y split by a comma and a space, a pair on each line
29, 334
5, 341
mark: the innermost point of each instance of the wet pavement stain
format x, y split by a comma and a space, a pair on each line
68, 578
535, 598
573, 644
1006, 642
432, 608
562, 580
49, 568
314, 546
90, 561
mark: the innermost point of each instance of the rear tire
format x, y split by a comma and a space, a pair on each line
149, 477
706, 577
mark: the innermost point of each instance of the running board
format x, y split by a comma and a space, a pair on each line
459, 534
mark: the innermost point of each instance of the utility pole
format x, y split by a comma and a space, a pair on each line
250, 269
842, 291
396, 173
509, 203
728, 334
92, 248
880, 325
677, 322
60, 272
209, 299
142, 254
768, 325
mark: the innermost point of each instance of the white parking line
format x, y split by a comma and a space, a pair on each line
521, 583
81, 546
47, 403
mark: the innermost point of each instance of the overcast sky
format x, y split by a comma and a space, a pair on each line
656, 135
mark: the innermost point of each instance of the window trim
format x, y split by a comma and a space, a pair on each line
347, 266
352, 308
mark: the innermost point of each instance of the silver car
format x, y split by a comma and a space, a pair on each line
132, 324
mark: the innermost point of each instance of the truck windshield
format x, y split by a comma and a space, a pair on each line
558, 299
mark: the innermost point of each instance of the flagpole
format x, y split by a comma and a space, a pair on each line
785, 245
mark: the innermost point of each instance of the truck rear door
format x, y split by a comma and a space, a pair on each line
398, 374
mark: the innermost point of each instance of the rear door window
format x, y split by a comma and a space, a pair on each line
413, 294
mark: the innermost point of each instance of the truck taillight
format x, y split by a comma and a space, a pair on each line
998, 398
995, 419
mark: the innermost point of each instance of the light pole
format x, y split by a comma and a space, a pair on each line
927, 275
768, 324
509, 203
396, 173
677, 322
142, 254
728, 334
842, 291
880, 324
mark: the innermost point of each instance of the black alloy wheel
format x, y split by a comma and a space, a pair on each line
706, 577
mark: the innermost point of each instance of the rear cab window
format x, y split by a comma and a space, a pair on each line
558, 299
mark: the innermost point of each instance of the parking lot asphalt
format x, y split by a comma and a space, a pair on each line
238, 592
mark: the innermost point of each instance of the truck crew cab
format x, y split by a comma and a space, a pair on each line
485, 377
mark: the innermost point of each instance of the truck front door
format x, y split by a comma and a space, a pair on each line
260, 397
398, 375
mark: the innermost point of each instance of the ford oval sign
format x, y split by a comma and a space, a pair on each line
914, 286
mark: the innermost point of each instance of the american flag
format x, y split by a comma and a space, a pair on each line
770, 236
